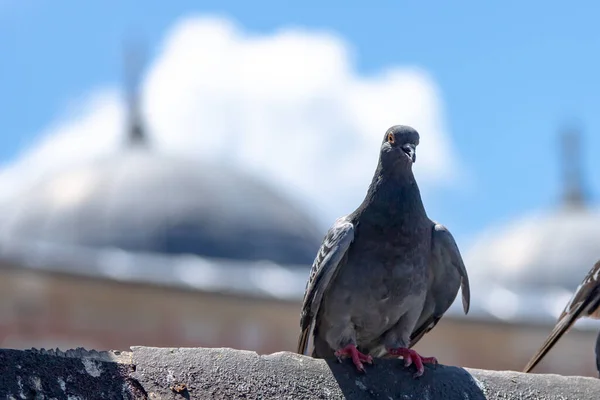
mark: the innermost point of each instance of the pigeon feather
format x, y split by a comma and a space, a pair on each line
585, 302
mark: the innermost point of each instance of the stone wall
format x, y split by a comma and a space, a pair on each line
207, 373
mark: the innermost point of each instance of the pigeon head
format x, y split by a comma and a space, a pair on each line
399, 147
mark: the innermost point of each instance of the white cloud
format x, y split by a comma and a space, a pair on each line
288, 106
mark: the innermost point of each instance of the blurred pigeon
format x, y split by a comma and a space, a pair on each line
386, 273
584, 303
598, 354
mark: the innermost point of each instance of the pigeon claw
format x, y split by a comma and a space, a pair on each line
357, 357
412, 357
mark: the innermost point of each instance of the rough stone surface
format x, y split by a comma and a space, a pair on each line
199, 373
74, 374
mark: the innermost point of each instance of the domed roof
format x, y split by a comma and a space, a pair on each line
140, 201
539, 251
544, 250
528, 269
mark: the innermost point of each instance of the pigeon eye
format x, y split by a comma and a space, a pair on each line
390, 138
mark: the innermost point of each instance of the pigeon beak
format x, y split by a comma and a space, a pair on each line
411, 151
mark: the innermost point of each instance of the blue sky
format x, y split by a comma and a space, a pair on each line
510, 74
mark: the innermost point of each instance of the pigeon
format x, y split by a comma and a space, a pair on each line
384, 274
597, 351
585, 302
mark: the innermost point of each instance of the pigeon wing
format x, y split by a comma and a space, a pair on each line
447, 273
329, 259
584, 303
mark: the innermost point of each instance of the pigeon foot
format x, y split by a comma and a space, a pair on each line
357, 357
410, 356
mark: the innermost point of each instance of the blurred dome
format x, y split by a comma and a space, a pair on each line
544, 251
539, 251
141, 201
528, 269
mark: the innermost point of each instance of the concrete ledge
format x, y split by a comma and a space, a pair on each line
202, 373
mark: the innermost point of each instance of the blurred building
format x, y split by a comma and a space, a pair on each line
126, 249
151, 249
142, 248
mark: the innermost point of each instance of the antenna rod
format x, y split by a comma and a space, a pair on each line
133, 62
573, 195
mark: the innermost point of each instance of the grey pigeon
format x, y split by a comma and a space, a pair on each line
385, 274
597, 351
585, 302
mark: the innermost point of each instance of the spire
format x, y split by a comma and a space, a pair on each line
133, 63
570, 149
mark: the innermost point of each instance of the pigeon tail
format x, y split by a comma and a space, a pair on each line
303, 341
